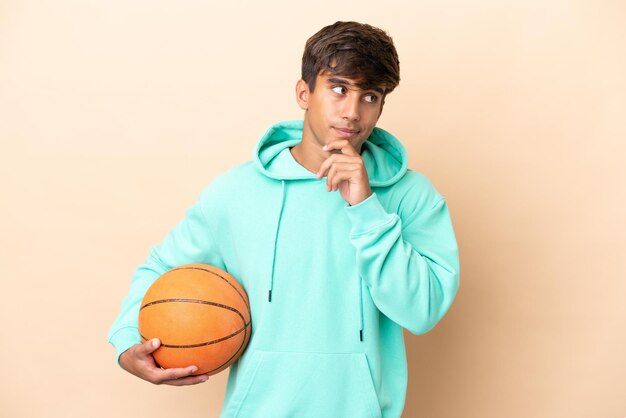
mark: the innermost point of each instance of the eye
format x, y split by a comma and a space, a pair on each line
339, 89
371, 98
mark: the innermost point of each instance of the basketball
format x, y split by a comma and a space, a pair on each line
201, 314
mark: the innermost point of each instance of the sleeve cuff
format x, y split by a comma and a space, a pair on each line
368, 215
124, 339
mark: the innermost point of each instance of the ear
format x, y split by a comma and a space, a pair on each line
302, 94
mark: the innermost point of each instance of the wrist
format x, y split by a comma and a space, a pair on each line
368, 215
361, 197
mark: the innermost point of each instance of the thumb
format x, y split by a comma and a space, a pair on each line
151, 345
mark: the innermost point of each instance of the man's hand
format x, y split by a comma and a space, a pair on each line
345, 171
138, 360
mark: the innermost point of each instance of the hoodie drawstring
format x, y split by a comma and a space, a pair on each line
271, 285
280, 215
361, 322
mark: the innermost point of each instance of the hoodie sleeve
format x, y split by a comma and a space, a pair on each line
409, 264
189, 242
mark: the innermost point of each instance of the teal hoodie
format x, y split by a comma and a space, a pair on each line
330, 285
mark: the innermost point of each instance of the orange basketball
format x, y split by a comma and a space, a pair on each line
201, 314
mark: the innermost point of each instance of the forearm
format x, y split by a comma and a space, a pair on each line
190, 241
411, 272
124, 332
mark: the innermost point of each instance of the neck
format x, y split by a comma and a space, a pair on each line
309, 156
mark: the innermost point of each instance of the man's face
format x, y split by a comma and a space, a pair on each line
338, 109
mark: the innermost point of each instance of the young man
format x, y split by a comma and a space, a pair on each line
338, 245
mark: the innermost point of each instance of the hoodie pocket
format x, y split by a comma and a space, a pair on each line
303, 385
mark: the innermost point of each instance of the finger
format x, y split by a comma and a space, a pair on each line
334, 159
163, 375
150, 346
339, 172
186, 381
324, 167
342, 145
335, 180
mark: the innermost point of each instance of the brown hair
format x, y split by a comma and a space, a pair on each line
354, 50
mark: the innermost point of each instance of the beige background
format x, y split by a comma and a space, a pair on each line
115, 114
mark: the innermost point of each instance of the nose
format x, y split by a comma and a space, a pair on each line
351, 108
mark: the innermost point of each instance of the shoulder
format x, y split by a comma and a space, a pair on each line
235, 185
415, 180
225, 185
412, 192
419, 186
236, 177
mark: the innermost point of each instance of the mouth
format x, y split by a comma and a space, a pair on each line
346, 133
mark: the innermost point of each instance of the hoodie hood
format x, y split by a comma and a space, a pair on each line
384, 156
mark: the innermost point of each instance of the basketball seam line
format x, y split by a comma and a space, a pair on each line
204, 302
246, 325
218, 275
200, 301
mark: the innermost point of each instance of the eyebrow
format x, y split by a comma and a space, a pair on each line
347, 82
